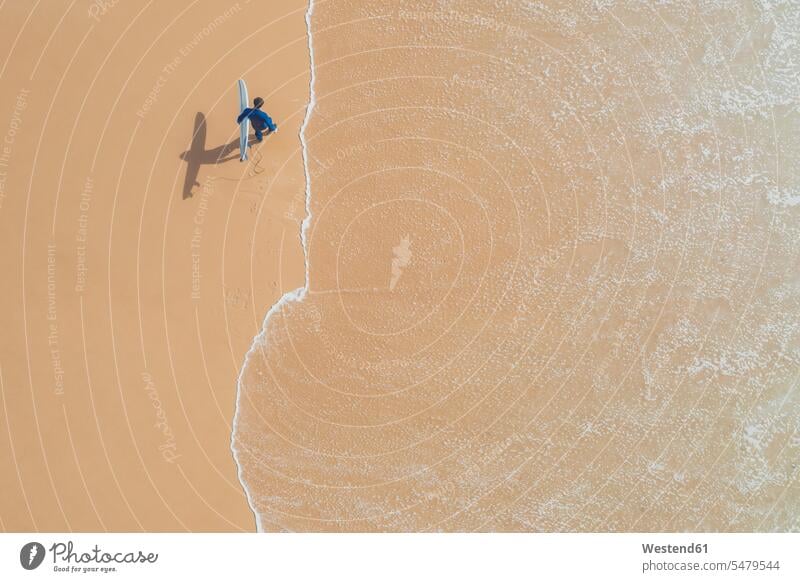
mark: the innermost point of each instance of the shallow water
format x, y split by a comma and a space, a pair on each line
551, 274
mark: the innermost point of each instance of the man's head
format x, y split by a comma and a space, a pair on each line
258, 102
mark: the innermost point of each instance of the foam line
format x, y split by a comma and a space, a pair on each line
260, 341
312, 101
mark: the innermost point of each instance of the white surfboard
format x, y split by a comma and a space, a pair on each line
244, 126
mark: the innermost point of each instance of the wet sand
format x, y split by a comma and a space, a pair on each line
138, 255
552, 275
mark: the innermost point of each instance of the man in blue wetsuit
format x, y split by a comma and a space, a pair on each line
258, 119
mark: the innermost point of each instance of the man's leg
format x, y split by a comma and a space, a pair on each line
259, 135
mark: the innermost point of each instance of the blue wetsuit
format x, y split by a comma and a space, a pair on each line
259, 120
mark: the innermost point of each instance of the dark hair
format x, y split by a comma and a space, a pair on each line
258, 102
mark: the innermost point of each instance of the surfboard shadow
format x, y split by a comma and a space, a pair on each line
198, 155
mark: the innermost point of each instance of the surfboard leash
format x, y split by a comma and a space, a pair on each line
256, 163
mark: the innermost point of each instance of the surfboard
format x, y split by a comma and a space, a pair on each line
244, 126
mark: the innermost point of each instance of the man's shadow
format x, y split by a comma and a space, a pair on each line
198, 155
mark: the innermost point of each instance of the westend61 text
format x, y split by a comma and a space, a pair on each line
672, 549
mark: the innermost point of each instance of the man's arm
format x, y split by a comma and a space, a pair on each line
268, 120
242, 115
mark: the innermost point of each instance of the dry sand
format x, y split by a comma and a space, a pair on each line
129, 296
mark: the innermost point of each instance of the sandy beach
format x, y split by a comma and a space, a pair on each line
505, 266
138, 259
